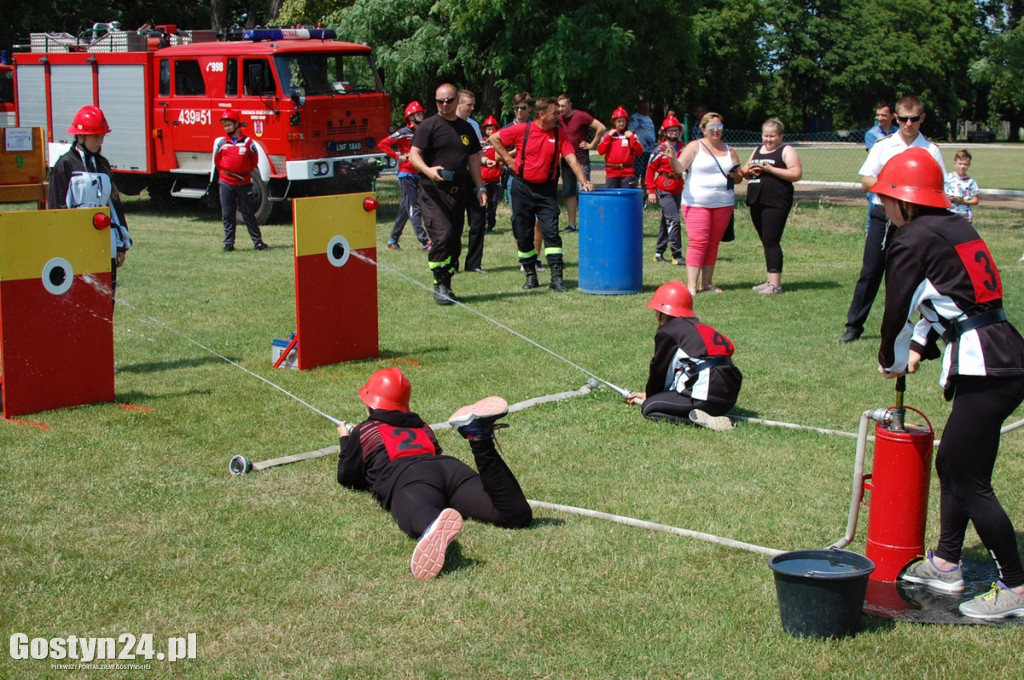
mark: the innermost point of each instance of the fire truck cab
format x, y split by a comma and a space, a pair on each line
315, 106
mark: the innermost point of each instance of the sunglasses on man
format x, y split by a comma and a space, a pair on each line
447, 100
909, 119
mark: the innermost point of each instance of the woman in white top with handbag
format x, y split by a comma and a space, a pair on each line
708, 200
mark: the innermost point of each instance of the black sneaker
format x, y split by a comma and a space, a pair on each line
477, 421
570, 229
228, 248
262, 246
849, 336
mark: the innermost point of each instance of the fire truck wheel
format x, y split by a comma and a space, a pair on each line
159, 191
262, 204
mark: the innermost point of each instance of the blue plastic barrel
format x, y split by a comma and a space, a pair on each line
611, 241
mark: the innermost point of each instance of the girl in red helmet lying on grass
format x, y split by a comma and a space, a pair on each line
692, 378
395, 455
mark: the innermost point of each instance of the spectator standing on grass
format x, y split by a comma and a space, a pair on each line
577, 125
692, 378
235, 157
771, 171
910, 115
475, 213
885, 125
642, 125
540, 145
446, 152
395, 455
397, 146
696, 132
939, 267
490, 171
522, 106
665, 187
620, 148
961, 189
709, 199
82, 178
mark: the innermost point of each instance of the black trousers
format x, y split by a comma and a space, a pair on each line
675, 407
770, 222
477, 229
966, 458
428, 486
238, 198
444, 218
872, 271
536, 203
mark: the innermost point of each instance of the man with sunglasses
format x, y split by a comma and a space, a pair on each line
909, 116
446, 152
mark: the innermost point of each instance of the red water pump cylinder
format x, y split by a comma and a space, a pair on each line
899, 497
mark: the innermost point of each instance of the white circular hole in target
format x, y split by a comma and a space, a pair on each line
338, 251
58, 276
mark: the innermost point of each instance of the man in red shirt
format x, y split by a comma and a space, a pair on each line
541, 145
577, 126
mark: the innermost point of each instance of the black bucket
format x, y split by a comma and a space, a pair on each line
821, 592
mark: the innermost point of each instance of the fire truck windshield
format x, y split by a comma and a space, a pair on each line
326, 73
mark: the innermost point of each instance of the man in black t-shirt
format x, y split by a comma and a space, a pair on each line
446, 152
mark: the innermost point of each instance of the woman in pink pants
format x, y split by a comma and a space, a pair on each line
708, 200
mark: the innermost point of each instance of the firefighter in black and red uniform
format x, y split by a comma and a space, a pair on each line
395, 455
397, 146
446, 152
938, 265
235, 157
540, 145
692, 377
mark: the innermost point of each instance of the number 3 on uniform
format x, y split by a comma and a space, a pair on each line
981, 268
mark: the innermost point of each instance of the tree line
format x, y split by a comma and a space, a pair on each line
817, 65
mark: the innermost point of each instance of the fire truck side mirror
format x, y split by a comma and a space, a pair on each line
298, 98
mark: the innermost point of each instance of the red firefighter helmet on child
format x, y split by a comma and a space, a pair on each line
670, 122
490, 121
674, 299
413, 107
913, 176
619, 113
228, 114
89, 121
387, 389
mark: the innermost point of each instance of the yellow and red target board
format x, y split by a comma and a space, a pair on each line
335, 279
56, 310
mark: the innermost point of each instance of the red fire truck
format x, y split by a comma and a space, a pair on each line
315, 106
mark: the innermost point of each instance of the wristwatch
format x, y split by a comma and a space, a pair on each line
481, 190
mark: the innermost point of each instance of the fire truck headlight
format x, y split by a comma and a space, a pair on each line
323, 168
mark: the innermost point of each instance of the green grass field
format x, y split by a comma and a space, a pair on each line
121, 521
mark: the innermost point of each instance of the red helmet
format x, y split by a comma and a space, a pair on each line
671, 122
619, 113
673, 299
490, 121
228, 114
413, 107
913, 176
89, 121
387, 389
